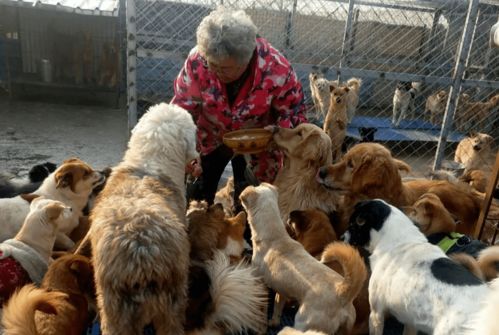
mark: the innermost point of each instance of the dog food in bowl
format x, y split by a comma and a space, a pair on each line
247, 141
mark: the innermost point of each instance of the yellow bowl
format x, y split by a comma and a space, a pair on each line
248, 141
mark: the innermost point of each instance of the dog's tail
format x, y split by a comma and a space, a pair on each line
468, 262
19, 312
352, 266
487, 260
354, 83
239, 296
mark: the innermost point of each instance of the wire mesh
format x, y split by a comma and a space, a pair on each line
383, 42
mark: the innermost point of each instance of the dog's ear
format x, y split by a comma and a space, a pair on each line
313, 76
29, 197
46, 307
373, 174
239, 219
64, 179
472, 134
248, 197
401, 165
346, 89
53, 210
217, 211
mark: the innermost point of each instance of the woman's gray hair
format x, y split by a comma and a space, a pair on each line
225, 33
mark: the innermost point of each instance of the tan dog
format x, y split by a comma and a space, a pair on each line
476, 152
305, 148
71, 183
138, 234
368, 171
225, 196
475, 114
60, 306
320, 91
25, 258
353, 96
431, 216
312, 228
210, 229
287, 268
335, 124
435, 106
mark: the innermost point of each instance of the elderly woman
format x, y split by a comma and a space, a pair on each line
234, 79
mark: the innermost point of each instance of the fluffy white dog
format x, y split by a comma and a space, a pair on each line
486, 321
412, 279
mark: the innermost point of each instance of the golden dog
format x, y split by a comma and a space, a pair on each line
324, 296
306, 148
368, 171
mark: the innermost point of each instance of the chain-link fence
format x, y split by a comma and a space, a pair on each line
437, 53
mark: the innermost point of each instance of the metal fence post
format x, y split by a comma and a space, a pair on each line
131, 52
289, 25
347, 36
457, 77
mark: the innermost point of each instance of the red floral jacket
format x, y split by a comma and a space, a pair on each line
272, 95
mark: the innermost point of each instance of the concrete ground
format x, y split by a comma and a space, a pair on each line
32, 133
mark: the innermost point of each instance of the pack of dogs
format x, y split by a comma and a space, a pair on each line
346, 242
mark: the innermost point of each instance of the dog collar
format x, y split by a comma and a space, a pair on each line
452, 239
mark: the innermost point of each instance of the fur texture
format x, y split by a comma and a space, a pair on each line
287, 268
138, 233
320, 90
486, 321
306, 148
407, 278
292, 331
238, 299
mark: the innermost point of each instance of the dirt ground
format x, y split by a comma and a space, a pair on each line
32, 133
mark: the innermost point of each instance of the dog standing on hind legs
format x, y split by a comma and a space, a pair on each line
138, 235
335, 124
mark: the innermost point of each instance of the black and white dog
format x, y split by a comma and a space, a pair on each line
11, 187
412, 279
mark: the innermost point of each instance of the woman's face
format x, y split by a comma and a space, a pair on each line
227, 70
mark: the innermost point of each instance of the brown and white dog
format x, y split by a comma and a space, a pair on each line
139, 234
210, 229
305, 148
25, 258
335, 124
71, 183
292, 272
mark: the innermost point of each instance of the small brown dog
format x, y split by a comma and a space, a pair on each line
313, 229
335, 124
71, 276
435, 106
210, 229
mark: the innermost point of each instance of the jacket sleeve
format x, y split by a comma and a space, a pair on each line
186, 89
289, 102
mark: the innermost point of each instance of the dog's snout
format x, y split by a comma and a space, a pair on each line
322, 173
338, 100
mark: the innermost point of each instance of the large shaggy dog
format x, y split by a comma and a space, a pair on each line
305, 148
138, 233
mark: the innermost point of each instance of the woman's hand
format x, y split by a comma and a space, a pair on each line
194, 168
